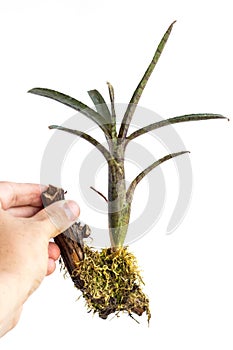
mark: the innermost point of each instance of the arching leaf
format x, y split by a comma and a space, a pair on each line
138, 178
180, 119
86, 137
100, 105
75, 104
139, 90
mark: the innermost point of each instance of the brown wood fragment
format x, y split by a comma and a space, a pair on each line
70, 241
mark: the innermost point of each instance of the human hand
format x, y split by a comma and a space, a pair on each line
21, 200
26, 255
24, 200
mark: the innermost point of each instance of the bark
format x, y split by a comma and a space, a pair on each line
70, 241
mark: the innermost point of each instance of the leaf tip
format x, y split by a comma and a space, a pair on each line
53, 126
171, 25
91, 91
185, 152
220, 116
33, 91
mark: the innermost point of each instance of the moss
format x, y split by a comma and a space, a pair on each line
111, 282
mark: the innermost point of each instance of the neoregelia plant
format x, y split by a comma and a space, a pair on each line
110, 281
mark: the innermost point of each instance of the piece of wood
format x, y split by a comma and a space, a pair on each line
70, 241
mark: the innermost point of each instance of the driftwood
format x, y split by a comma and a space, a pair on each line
70, 241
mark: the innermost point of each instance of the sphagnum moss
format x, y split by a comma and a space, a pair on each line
112, 282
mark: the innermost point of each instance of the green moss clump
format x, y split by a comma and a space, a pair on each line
111, 282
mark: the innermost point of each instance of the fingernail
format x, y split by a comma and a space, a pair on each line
71, 209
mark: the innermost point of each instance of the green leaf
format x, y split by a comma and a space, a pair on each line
131, 189
75, 104
139, 90
86, 137
112, 99
100, 105
180, 119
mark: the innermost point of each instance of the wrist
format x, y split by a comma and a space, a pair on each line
11, 301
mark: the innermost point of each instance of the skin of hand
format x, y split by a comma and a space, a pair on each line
26, 253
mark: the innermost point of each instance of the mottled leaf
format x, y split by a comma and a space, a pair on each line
180, 119
86, 137
139, 90
139, 177
100, 105
75, 104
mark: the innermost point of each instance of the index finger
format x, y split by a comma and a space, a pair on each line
18, 194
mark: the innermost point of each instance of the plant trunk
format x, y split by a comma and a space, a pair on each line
118, 207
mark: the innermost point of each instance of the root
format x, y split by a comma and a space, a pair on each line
111, 282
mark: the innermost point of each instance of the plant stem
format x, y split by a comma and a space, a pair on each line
118, 208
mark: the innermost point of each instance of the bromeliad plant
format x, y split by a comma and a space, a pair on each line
109, 279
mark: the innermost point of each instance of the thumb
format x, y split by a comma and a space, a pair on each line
58, 216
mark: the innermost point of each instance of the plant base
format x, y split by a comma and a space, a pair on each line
111, 282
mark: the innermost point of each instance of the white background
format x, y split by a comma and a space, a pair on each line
75, 46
